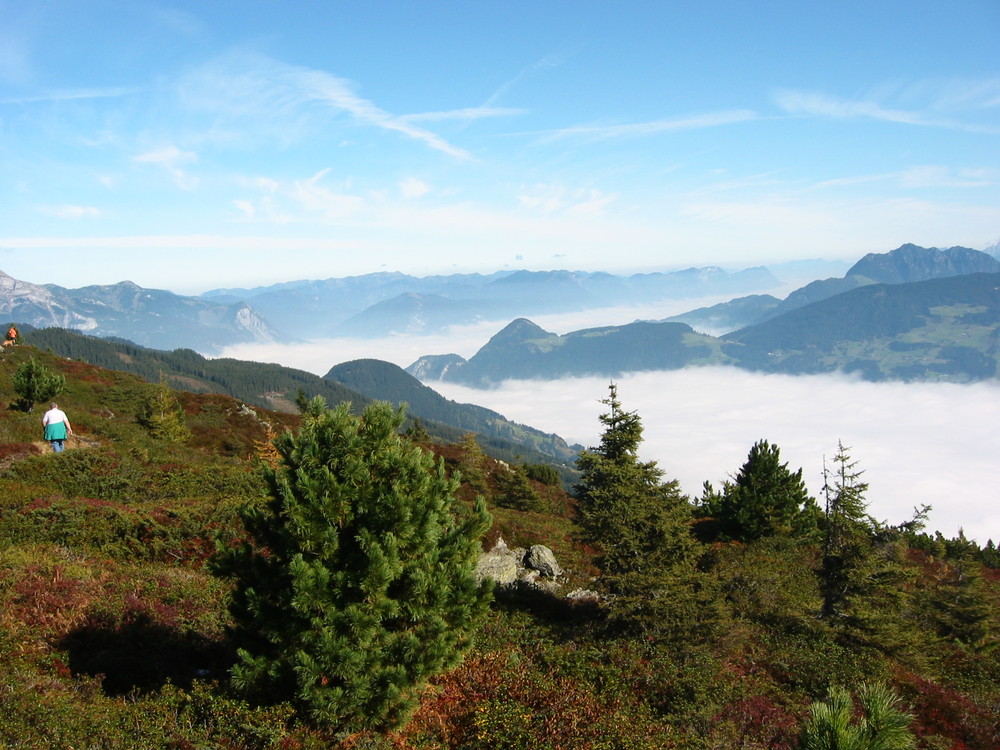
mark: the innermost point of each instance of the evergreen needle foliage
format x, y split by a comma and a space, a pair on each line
357, 583
34, 383
764, 499
642, 526
514, 490
883, 725
163, 415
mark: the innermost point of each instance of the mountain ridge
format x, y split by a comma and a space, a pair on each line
937, 329
278, 388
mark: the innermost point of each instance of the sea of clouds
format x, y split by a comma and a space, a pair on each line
934, 444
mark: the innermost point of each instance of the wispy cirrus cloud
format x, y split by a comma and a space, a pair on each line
171, 159
547, 199
820, 104
920, 176
466, 114
319, 199
62, 95
243, 85
67, 211
552, 60
655, 127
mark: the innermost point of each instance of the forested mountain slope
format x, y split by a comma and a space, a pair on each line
387, 382
277, 387
940, 329
524, 350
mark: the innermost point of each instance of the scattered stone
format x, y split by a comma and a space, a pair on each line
500, 567
583, 595
540, 558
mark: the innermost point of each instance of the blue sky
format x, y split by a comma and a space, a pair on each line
188, 146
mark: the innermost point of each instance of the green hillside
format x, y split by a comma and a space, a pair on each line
945, 329
273, 386
388, 382
114, 634
942, 329
522, 350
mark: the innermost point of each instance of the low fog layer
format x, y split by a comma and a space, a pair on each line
934, 444
918, 444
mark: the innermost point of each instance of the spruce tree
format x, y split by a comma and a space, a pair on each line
764, 499
641, 525
515, 490
955, 602
163, 415
847, 530
472, 464
862, 572
357, 583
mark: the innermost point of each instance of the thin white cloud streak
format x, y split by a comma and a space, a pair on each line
248, 85
553, 60
918, 444
71, 212
466, 114
74, 94
170, 159
336, 92
632, 130
817, 104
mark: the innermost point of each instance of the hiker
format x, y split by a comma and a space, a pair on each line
57, 427
11, 336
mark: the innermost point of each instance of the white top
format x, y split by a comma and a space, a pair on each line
54, 416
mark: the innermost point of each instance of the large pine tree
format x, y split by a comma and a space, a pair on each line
764, 499
641, 525
356, 584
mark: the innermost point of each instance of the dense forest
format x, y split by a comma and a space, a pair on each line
196, 572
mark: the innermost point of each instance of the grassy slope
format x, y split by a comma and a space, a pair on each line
276, 387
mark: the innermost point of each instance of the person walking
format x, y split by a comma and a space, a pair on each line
57, 427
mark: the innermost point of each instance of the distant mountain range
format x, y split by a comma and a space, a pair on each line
146, 316
937, 317
372, 305
946, 336
385, 303
907, 263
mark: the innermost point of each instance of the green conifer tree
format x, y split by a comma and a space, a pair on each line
883, 723
515, 490
862, 573
33, 383
472, 464
847, 531
642, 527
955, 602
162, 415
357, 584
764, 499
